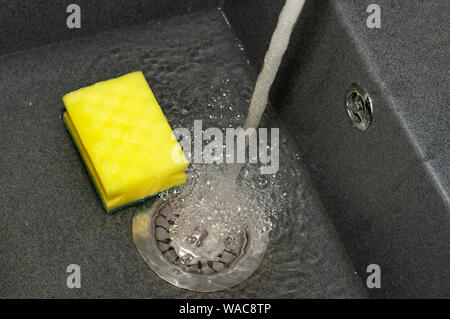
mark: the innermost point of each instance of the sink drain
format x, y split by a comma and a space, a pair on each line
202, 252
202, 261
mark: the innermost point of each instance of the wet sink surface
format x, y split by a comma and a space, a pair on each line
51, 216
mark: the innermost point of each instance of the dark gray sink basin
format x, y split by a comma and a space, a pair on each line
354, 198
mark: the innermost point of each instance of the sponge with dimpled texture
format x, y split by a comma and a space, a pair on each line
124, 140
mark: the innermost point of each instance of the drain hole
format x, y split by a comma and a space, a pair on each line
201, 257
203, 251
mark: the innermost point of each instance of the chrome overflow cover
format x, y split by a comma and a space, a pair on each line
359, 107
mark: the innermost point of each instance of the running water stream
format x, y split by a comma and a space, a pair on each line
274, 55
272, 60
222, 184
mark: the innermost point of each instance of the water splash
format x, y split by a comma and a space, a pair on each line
220, 204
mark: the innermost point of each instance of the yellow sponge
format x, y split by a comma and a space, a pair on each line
124, 140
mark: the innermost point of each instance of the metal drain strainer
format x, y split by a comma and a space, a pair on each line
202, 261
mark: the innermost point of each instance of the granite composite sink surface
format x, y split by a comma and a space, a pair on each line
378, 196
386, 189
